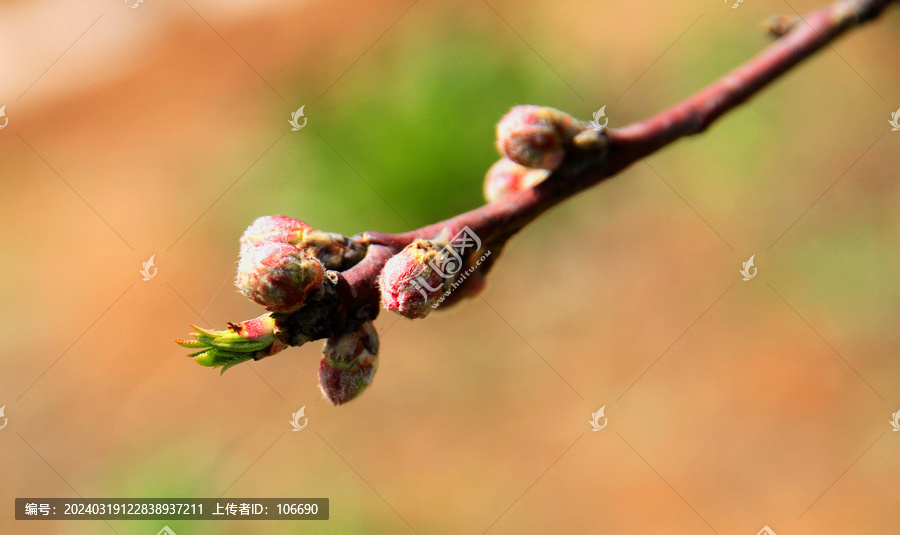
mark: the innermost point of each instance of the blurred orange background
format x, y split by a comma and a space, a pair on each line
162, 131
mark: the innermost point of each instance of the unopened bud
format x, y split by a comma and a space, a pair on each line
536, 136
409, 282
779, 25
278, 276
506, 176
349, 364
336, 252
273, 229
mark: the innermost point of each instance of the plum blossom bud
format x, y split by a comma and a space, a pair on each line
409, 282
506, 176
336, 252
349, 364
274, 229
278, 276
536, 136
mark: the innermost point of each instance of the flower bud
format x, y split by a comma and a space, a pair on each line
336, 252
273, 229
278, 276
506, 176
536, 136
780, 25
409, 282
349, 364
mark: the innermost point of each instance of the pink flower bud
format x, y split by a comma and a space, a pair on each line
506, 176
278, 276
335, 251
409, 282
536, 136
349, 364
274, 229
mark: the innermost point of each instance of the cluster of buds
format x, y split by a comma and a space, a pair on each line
320, 285
317, 285
288, 267
284, 260
534, 140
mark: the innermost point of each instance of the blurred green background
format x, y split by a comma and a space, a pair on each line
732, 404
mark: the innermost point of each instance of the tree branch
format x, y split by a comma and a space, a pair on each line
347, 298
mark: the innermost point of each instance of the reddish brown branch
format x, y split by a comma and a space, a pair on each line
629, 144
695, 114
349, 295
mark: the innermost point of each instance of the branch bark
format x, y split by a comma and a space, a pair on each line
349, 298
497, 221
